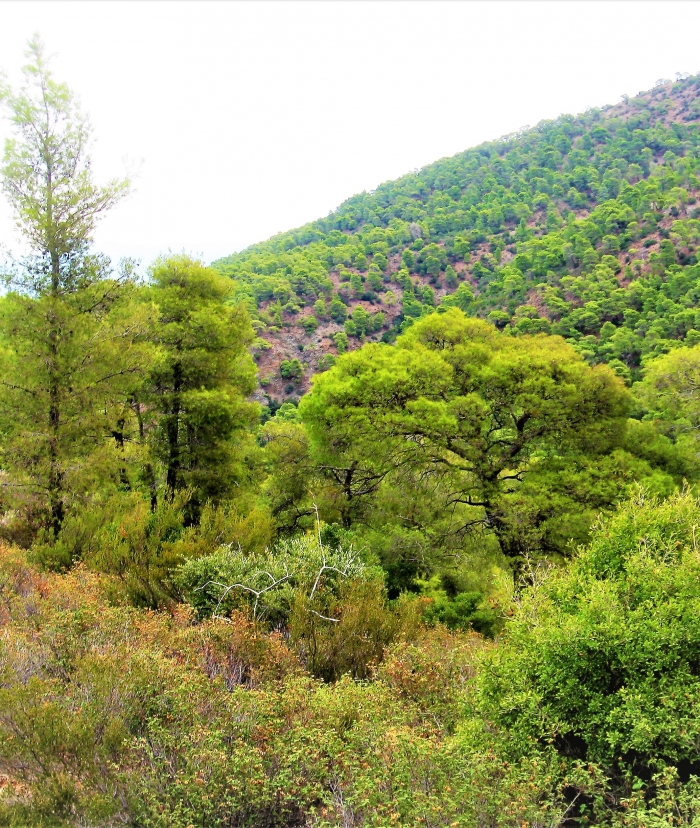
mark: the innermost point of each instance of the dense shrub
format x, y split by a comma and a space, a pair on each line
601, 659
113, 715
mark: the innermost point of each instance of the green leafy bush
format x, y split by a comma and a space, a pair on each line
601, 659
267, 582
291, 369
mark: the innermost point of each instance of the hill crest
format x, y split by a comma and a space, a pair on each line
557, 228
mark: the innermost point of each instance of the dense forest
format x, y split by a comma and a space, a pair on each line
387, 521
585, 227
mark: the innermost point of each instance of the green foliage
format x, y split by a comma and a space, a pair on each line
204, 646
601, 657
337, 311
112, 714
333, 606
197, 388
106, 383
465, 412
267, 583
164, 723
141, 544
309, 323
287, 486
459, 610
59, 412
47, 179
341, 341
326, 361
557, 218
670, 391
291, 369
67, 333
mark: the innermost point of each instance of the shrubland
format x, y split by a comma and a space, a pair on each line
455, 585
583, 712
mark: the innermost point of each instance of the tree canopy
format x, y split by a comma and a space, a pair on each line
197, 387
465, 407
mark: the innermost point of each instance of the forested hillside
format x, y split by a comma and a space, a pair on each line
583, 226
455, 585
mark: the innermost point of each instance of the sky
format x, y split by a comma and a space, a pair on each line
239, 120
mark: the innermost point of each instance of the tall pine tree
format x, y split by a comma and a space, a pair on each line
67, 343
196, 393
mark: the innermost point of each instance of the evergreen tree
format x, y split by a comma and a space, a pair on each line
196, 394
469, 411
67, 343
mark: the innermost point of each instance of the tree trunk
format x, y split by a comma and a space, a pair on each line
118, 434
172, 478
149, 474
55, 475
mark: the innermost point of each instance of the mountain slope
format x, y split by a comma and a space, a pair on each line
583, 226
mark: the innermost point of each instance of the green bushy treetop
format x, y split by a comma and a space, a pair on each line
471, 410
601, 659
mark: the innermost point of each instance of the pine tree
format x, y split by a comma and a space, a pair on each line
67, 346
197, 390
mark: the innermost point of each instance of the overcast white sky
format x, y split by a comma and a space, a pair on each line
249, 118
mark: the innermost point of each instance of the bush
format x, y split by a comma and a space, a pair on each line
449, 603
266, 583
309, 323
463, 612
341, 341
601, 659
433, 671
141, 546
142, 718
364, 624
291, 369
